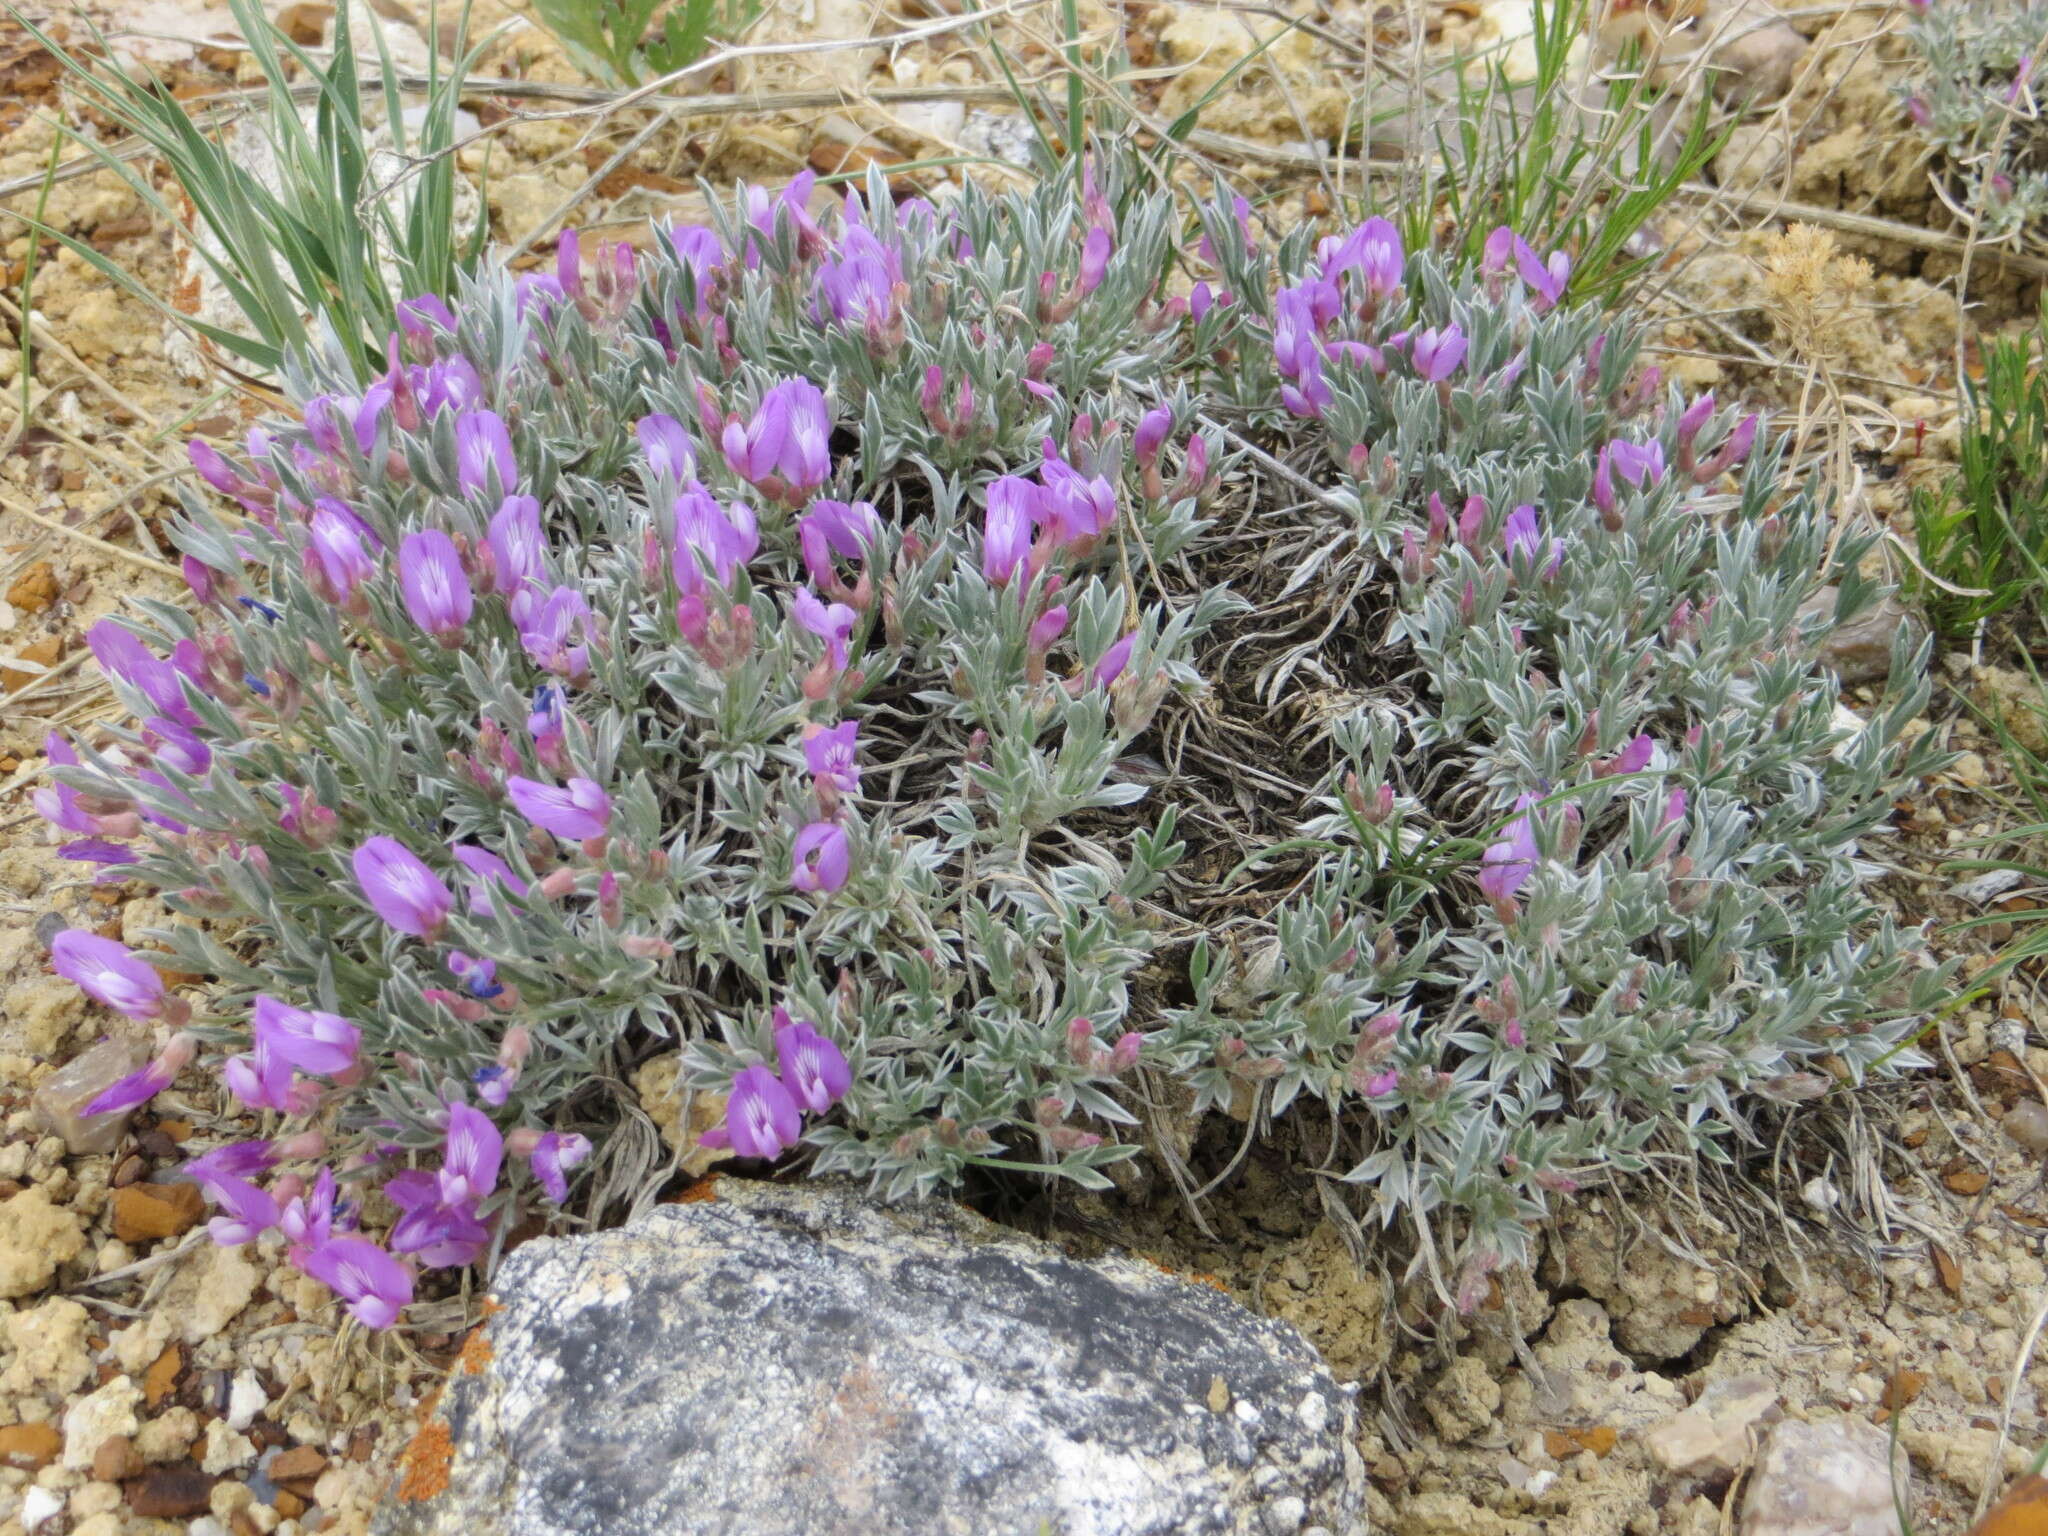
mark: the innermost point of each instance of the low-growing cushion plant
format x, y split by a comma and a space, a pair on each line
980, 678
1976, 99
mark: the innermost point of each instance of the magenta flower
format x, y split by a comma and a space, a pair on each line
551, 1159
470, 1158
142, 1086
246, 1212
833, 756
1638, 463
444, 1234
1507, 865
1547, 277
121, 654
668, 446
487, 872
518, 545
324, 1044
846, 529
436, 588
177, 747
1109, 666
548, 624
1674, 810
765, 208
725, 538
821, 858
373, 1284
58, 803
1050, 625
698, 248
401, 889
1498, 254
1634, 756
1438, 354
859, 285
419, 318
1522, 535
236, 1160
484, 460
335, 549
1074, 507
262, 1081
1096, 248
761, 1119
1007, 528
831, 622
813, 1070
577, 810
307, 1219
785, 449
1150, 434
109, 973
1373, 251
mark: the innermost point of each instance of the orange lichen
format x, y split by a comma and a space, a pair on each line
703, 1189
476, 1352
423, 1464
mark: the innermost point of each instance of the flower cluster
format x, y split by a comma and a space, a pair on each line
1976, 98
749, 641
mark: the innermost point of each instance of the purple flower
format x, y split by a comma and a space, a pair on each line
1674, 810
847, 529
761, 1119
97, 850
831, 622
1522, 536
324, 1044
1638, 462
58, 803
1918, 110
1096, 248
436, 588
1507, 865
444, 1234
109, 973
335, 547
519, 547
373, 1284
1007, 527
470, 1158
546, 626
813, 1070
262, 1081
1549, 277
833, 756
121, 654
1109, 666
1438, 354
422, 316
785, 449
139, 1087
483, 449
725, 537
1050, 625
698, 248
246, 1212
577, 810
235, 1160
177, 747
1074, 507
551, 1159
859, 286
401, 889
1373, 251
667, 444
307, 1220
1634, 756
487, 871
765, 209
1151, 433
1499, 252
821, 858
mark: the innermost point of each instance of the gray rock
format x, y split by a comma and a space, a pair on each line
65, 1092
1860, 651
798, 1359
1828, 1479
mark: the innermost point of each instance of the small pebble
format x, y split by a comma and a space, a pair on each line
2027, 1124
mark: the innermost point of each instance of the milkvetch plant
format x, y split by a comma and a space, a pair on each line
754, 642
1976, 98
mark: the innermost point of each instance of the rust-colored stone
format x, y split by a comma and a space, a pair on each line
117, 1460
298, 1464
144, 1213
30, 1446
161, 1379
170, 1493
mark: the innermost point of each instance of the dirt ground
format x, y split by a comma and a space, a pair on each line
150, 1382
